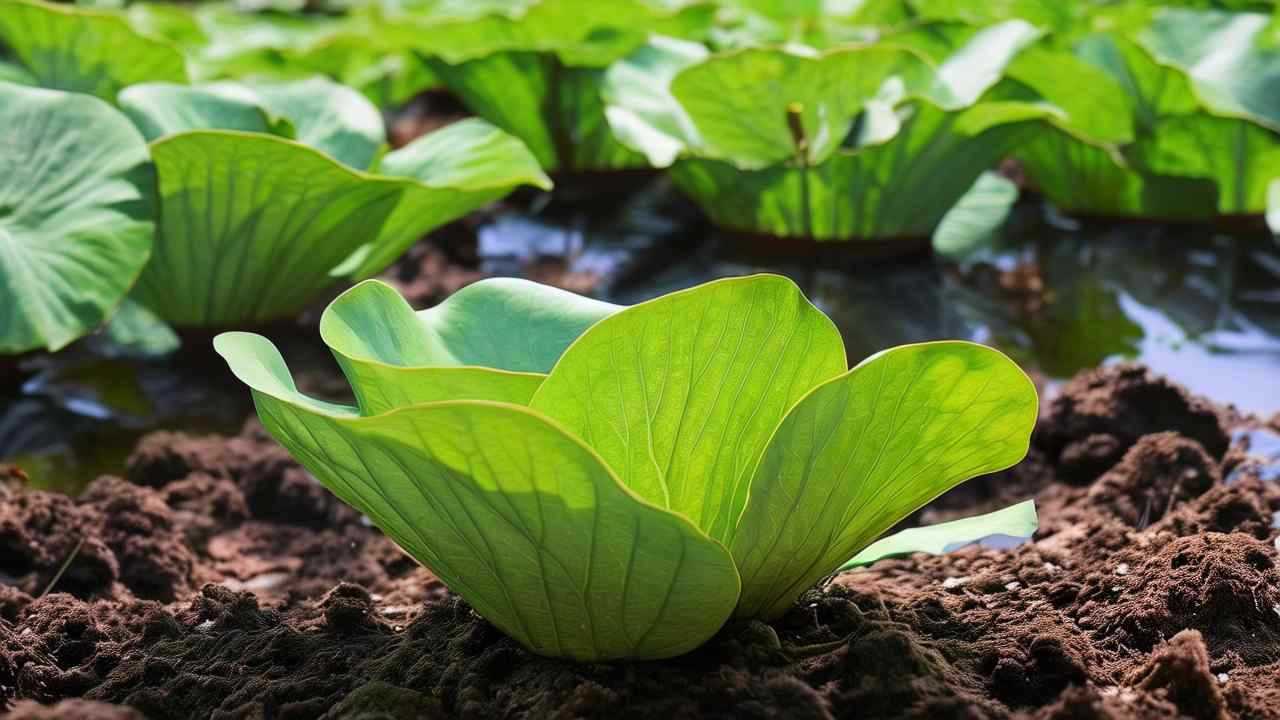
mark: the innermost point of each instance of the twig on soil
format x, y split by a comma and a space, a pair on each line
65, 564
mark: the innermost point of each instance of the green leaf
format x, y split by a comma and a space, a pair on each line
639, 105
454, 170
83, 50
514, 514
73, 237
739, 102
866, 449
1240, 157
137, 332
976, 218
679, 395
1273, 206
1017, 521
900, 188
554, 109
395, 357
331, 118
240, 239
1234, 73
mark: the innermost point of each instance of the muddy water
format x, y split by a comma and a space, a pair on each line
1199, 307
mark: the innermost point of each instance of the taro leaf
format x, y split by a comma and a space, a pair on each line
515, 515
83, 50
1015, 521
680, 394
1153, 91
977, 217
1089, 100
318, 113
493, 340
73, 237
453, 171
1233, 72
864, 450
901, 188
14, 73
1042, 13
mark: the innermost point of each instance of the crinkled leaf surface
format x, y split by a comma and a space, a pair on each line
1015, 521
680, 394
83, 50
513, 513
73, 231
493, 340
866, 449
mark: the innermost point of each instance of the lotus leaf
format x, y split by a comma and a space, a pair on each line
74, 231
267, 192
604, 482
859, 142
84, 50
535, 69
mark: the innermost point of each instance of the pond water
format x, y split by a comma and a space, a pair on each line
1198, 306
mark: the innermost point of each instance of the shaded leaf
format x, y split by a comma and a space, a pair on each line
1015, 521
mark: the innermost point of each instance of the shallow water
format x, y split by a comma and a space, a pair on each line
1199, 307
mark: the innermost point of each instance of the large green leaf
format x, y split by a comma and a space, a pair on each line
554, 109
748, 105
83, 50
900, 188
493, 340
1094, 179
513, 513
976, 217
866, 449
250, 226
1239, 156
318, 113
1015, 521
680, 394
253, 225
73, 232
1233, 72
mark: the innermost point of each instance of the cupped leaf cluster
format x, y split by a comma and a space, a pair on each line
603, 482
865, 141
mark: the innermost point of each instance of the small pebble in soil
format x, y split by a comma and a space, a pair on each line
954, 582
1122, 569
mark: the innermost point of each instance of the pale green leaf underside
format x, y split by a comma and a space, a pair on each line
1016, 521
977, 216
1273, 207
73, 237
680, 394
513, 513
333, 119
868, 448
493, 340
83, 50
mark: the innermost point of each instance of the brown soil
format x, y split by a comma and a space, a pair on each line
219, 581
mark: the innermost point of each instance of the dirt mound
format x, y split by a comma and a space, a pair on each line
221, 581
